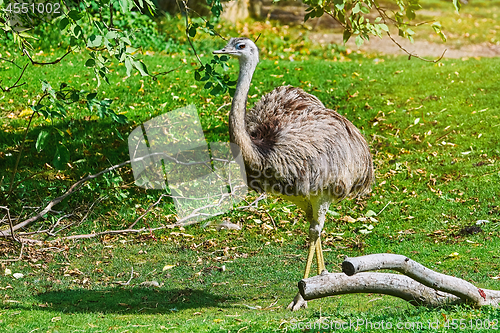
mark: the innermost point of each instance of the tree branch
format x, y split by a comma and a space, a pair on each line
419, 285
452, 285
410, 54
186, 8
15, 85
154, 77
12, 62
45, 63
384, 16
332, 284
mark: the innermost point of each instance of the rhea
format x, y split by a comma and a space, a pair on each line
295, 147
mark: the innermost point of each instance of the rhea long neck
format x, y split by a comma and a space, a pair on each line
237, 124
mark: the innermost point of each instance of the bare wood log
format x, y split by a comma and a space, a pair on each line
331, 284
419, 285
449, 284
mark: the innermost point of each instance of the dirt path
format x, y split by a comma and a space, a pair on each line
419, 47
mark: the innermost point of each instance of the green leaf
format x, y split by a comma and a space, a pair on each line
365, 10
108, 45
384, 27
47, 88
119, 118
457, 5
63, 23
130, 50
77, 30
61, 109
75, 96
91, 96
90, 63
94, 41
359, 41
216, 90
75, 15
41, 141
126, 40
410, 13
437, 29
61, 157
347, 35
192, 31
309, 15
197, 76
125, 5
112, 35
128, 65
356, 8
97, 77
141, 67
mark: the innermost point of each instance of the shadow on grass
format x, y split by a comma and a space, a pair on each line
130, 300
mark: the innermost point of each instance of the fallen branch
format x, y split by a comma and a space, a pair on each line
184, 221
74, 188
331, 284
10, 223
419, 286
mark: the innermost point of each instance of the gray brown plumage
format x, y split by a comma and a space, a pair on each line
295, 147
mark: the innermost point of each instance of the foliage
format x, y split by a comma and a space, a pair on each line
102, 30
354, 16
218, 83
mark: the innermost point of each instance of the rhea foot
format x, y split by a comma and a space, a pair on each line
297, 303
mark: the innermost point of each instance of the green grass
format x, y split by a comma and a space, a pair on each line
433, 132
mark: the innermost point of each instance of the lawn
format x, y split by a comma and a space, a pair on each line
432, 130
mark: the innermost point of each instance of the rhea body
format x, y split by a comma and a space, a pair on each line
295, 147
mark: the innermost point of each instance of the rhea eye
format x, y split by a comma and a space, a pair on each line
240, 46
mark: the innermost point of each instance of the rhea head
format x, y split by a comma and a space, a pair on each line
241, 47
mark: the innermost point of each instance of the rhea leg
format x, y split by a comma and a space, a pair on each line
319, 254
316, 215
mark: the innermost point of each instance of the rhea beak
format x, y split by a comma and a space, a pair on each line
223, 51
